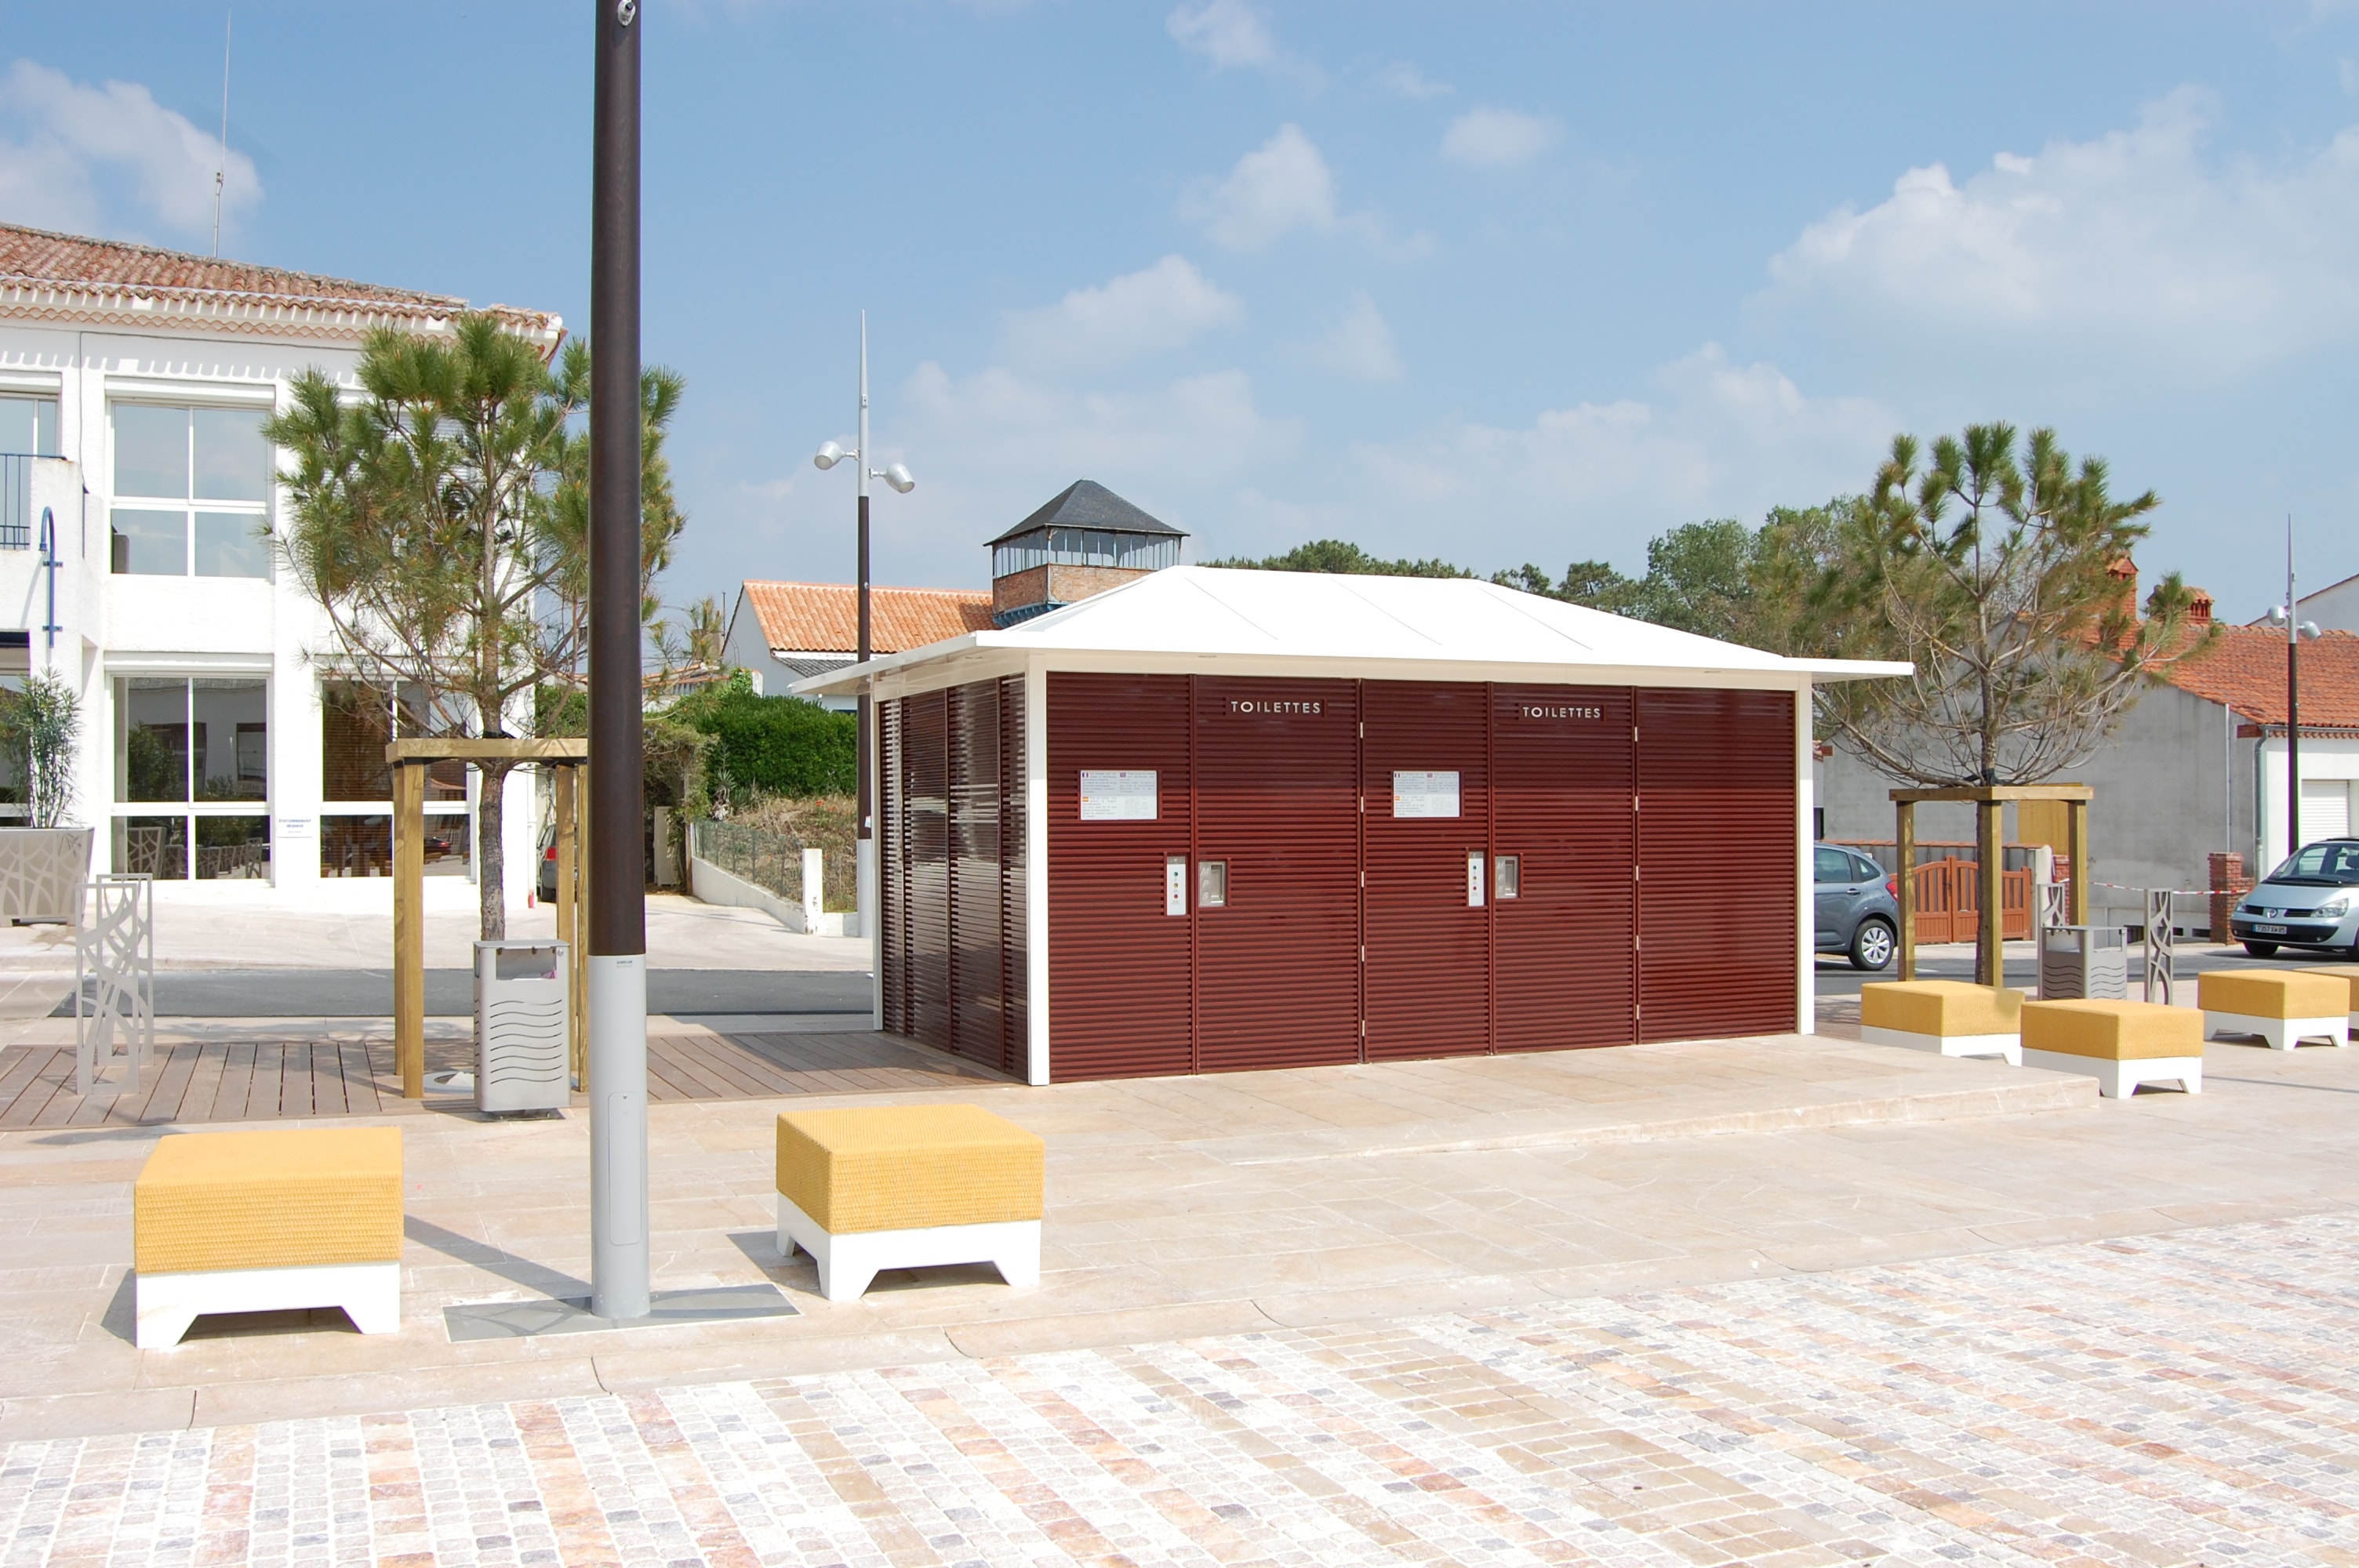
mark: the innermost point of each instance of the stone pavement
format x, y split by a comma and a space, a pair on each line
2182, 1400
1185, 1207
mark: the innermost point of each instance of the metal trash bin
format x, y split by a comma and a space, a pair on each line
2084, 963
523, 1054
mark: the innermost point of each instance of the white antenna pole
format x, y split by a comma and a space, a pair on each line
220, 171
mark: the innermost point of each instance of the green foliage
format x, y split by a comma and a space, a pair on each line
1990, 570
441, 521
772, 745
1718, 578
41, 724
1341, 555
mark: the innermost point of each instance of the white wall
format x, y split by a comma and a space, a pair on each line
2321, 759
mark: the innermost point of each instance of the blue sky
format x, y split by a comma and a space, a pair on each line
1497, 282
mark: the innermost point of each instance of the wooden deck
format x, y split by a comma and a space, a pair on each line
261, 1080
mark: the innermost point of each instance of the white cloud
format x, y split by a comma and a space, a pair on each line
1405, 80
1713, 438
1229, 33
1360, 345
999, 421
1497, 139
1158, 307
1280, 186
2135, 245
78, 139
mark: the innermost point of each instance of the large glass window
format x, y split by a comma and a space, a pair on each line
356, 719
191, 492
29, 425
202, 745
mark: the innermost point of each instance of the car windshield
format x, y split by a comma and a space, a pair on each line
2333, 864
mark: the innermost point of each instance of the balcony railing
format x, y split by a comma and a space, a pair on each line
16, 517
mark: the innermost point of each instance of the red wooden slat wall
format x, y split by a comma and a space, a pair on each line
1428, 962
1119, 969
1564, 772
1277, 777
977, 898
1015, 914
926, 769
892, 870
1717, 848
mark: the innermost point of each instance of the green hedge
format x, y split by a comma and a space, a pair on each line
778, 745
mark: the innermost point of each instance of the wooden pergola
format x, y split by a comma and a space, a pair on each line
569, 759
1989, 802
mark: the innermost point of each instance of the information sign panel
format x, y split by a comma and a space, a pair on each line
1424, 795
1118, 795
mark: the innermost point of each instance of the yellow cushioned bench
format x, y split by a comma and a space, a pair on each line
1951, 1017
2283, 1006
263, 1221
2120, 1044
905, 1186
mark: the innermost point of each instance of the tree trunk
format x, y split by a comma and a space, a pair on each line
491, 862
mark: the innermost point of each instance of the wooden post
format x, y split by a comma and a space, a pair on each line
2080, 853
1906, 848
569, 924
1990, 932
409, 926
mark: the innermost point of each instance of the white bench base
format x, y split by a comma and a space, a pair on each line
2117, 1079
166, 1304
2282, 1033
848, 1263
2007, 1045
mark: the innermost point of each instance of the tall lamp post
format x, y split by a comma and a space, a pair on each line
2297, 632
618, 902
864, 845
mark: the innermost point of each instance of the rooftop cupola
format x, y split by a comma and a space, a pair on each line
1085, 541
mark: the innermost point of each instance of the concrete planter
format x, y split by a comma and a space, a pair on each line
42, 870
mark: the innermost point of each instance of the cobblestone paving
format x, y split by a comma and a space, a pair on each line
2186, 1399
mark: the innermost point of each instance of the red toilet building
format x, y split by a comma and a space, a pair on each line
1214, 819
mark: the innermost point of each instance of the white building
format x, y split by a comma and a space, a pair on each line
220, 744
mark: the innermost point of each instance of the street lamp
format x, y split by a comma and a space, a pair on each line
2297, 633
898, 475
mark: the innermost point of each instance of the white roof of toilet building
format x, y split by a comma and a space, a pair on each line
1315, 624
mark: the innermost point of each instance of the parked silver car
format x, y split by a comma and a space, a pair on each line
2311, 901
1856, 905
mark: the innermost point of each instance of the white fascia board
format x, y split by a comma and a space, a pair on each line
975, 657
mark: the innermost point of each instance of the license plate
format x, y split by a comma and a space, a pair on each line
2270, 930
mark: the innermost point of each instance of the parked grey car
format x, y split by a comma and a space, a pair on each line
2311, 901
1857, 906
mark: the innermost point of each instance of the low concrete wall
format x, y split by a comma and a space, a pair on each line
713, 885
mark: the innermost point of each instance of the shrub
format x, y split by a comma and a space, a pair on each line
774, 745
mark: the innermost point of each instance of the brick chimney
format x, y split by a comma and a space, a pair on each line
2199, 607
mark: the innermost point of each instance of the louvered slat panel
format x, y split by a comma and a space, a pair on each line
926, 750
1278, 970
1564, 776
1429, 964
1118, 966
1717, 928
975, 892
893, 869
1014, 794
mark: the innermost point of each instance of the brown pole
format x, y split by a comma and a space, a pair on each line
569, 926
409, 926
1905, 835
1990, 929
2079, 832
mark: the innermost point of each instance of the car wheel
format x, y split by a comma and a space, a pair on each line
2262, 949
1870, 946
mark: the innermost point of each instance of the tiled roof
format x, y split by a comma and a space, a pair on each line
824, 617
1086, 504
69, 277
2244, 669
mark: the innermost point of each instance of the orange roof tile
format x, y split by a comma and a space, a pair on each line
55, 276
2244, 668
824, 617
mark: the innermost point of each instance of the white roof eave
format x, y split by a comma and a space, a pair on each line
1215, 616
